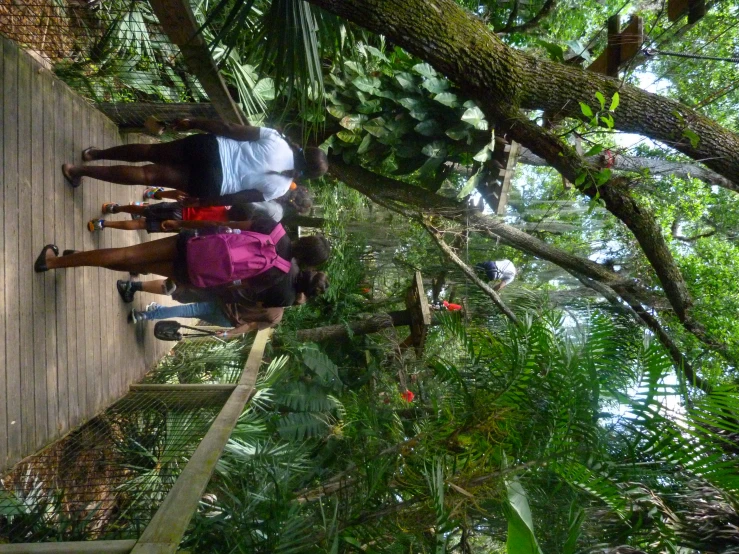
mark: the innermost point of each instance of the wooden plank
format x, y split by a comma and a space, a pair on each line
613, 50
78, 274
508, 177
70, 276
27, 147
166, 528
181, 27
58, 199
3, 316
632, 39
36, 222
99, 309
86, 274
10, 236
56, 412
83, 547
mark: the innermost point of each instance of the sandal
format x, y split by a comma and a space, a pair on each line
109, 208
68, 252
87, 154
74, 182
153, 192
95, 225
40, 265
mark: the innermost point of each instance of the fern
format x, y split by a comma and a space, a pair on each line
302, 426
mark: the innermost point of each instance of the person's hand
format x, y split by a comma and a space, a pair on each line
190, 202
225, 335
170, 225
181, 195
181, 125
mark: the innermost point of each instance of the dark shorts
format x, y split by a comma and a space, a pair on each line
181, 276
162, 211
204, 162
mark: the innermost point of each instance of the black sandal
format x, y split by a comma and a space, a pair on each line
68, 252
74, 182
40, 265
86, 153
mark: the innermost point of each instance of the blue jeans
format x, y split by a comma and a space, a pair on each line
208, 311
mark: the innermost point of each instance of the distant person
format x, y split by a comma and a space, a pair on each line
228, 164
502, 272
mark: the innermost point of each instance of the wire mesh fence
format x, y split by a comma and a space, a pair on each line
113, 52
106, 479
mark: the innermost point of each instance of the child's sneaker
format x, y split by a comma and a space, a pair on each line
109, 208
151, 307
137, 216
135, 316
153, 192
95, 225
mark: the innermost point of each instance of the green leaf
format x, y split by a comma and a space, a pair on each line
428, 128
376, 127
407, 81
430, 166
580, 179
586, 111
469, 186
602, 176
377, 53
365, 144
601, 99
476, 118
321, 365
435, 85
483, 155
596, 149
692, 136
436, 149
555, 51
349, 137
338, 111
424, 69
521, 538
353, 121
614, 102
447, 98
410, 103
367, 84
371, 106
459, 132
407, 149
608, 120
354, 67
419, 114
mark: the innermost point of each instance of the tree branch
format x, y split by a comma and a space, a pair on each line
545, 10
467, 270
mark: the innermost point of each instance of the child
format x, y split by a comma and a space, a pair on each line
297, 200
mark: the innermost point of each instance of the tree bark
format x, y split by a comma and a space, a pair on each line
377, 322
502, 80
637, 164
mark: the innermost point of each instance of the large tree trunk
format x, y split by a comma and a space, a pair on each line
502, 80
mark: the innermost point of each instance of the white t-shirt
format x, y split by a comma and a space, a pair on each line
271, 209
506, 271
245, 164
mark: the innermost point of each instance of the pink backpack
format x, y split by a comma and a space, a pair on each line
219, 259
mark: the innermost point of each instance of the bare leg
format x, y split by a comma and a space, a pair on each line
171, 195
133, 225
155, 286
171, 176
172, 152
129, 209
141, 256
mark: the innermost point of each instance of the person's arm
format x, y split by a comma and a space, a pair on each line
238, 331
499, 286
220, 128
241, 197
173, 225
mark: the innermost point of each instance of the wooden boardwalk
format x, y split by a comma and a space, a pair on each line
66, 349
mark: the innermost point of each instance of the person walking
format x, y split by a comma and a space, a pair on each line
502, 272
228, 164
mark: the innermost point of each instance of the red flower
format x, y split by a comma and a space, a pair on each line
407, 396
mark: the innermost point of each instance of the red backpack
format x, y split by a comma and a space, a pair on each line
228, 258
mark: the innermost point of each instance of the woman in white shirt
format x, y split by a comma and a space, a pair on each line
229, 164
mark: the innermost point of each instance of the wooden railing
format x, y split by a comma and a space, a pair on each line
164, 532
